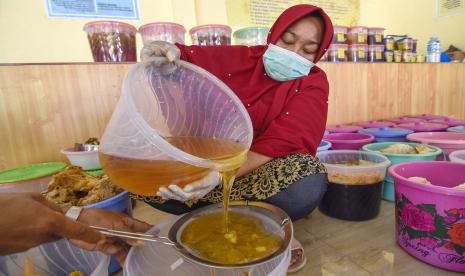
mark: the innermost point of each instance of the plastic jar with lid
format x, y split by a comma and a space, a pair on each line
406, 56
164, 31
421, 58
340, 34
112, 41
358, 52
213, 34
397, 56
338, 52
375, 36
357, 35
389, 43
375, 53
405, 43
414, 45
388, 56
413, 57
251, 36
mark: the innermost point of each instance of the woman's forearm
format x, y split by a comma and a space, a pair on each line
254, 160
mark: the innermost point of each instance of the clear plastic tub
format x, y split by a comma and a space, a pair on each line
112, 41
56, 258
421, 58
142, 150
87, 160
397, 56
161, 259
457, 156
251, 36
407, 56
404, 44
388, 56
388, 43
162, 31
340, 34
375, 36
355, 180
29, 178
213, 34
358, 52
338, 52
375, 53
357, 35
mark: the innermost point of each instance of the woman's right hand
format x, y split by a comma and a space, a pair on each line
161, 52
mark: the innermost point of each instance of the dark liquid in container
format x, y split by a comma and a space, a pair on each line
352, 202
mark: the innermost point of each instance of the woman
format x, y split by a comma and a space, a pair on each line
286, 97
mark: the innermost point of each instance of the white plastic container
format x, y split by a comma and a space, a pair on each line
56, 259
457, 156
87, 160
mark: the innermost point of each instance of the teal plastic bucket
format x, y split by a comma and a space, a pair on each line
388, 185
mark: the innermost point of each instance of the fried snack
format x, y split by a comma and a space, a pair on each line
461, 186
420, 180
406, 149
74, 187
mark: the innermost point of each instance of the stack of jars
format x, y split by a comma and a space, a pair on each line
403, 49
356, 44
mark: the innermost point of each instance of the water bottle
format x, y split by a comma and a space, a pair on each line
434, 50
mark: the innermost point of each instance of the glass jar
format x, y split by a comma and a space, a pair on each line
337, 52
375, 53
358, 52
375, 36
357, 35
388, 56
340, 34
389, 43
397, 56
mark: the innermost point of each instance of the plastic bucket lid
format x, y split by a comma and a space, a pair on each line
457, 156
248, 32
406, 120
438, 138
375, 124
386, 132
108, 26
225, 28
324, 145
449, 122
29, 172
430, 117
423, 126
343, 129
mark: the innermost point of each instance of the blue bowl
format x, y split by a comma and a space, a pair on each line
118, 203
324, 145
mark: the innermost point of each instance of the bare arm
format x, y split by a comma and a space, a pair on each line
254, 160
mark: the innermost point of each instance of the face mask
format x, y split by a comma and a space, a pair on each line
283, 65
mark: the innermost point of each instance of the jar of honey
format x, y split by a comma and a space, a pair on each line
340, 34
358, 52
338, 52
357, 35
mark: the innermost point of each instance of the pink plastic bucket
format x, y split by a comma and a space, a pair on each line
430, 219
353, 141
447, 141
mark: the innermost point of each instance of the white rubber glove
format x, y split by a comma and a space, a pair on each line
192, 191
161, 51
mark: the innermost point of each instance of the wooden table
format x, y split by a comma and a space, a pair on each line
337, 247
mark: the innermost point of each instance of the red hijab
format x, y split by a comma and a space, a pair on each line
288, 117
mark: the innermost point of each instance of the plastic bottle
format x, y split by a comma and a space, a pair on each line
434, 50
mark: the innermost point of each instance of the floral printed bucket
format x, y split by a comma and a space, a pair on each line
430, 219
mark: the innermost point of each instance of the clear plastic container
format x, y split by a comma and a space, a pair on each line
388, 56
397, 56
213, 34
56, 258
413, 57
157, 107
355, 181
457, 156
421, 58
340, 34
165, 260
407, 56
388, 43
357, 35
375, 53
358, 52
405, 43
251, 36
29, 178
112, 41
162, 31
88, 160
375, 36
338, 52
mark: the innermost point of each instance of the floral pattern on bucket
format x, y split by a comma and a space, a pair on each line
422, 229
